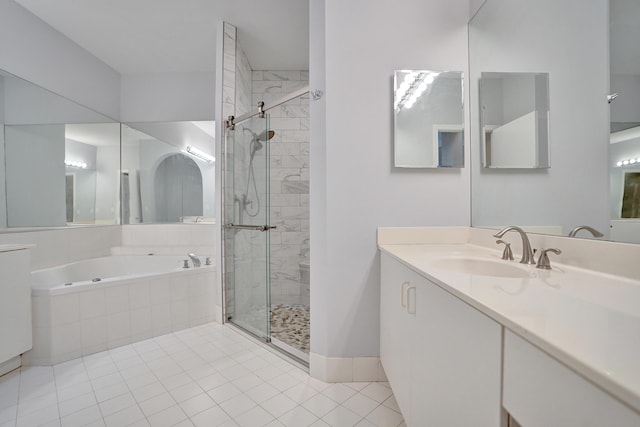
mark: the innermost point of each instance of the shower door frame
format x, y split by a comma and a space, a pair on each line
229, 123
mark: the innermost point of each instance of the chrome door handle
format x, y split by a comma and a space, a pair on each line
249, 227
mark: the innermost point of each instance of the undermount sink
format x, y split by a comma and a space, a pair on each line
482, 267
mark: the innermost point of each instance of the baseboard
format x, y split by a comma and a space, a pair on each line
346, 369
10, 365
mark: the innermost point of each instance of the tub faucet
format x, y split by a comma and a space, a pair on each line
194, 259
527, 252
593, 231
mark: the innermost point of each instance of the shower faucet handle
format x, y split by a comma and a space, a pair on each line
185, 263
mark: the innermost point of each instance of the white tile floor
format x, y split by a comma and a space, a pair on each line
209, 375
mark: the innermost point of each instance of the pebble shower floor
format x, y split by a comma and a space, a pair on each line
209, 375
290, 324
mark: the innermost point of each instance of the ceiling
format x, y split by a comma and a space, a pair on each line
155, 36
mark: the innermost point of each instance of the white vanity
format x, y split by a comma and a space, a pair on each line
467, 337
15, 305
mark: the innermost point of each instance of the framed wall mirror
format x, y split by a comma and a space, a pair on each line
59, 160
521, 37
514, 115
428, 119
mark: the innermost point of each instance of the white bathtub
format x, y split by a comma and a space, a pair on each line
136, 297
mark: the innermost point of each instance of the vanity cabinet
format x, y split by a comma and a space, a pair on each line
442, 357
15, 305
540, 391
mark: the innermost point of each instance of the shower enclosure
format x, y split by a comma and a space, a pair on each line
260, 259
246, 225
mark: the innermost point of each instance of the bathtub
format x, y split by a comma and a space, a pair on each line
102, 303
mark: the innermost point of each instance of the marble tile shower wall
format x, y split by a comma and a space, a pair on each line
289, 182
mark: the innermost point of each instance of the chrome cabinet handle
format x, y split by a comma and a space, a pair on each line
409, 310
403, 301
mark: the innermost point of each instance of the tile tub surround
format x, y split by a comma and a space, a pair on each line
74, 324
584, 318
206, 376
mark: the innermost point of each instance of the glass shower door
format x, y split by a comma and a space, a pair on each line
246, 226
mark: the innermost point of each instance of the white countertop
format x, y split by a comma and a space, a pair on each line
587, 320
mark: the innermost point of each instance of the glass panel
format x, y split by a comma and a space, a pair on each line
246, 204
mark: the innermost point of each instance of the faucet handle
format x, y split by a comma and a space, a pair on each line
507, 253
543, 260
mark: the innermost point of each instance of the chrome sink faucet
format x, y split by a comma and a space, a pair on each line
194, 259
527, 252
593, 231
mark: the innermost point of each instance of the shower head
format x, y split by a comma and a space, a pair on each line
265, 135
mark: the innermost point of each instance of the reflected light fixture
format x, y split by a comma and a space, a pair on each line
200, 154
412, 87
75, 164
627, 162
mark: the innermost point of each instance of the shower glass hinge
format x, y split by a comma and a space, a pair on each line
261, 109
316, 94
230, 124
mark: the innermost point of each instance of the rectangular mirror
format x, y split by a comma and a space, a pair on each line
428, 119
168, 172
60, 160
524, 37
514, 114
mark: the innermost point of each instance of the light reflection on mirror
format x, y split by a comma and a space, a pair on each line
428, 119
163, 181
514, 118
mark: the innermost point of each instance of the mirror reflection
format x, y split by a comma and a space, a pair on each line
167, 172
521, 37
61, 160
514, 114
624, 147
428, 119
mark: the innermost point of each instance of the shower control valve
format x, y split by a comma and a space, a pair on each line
185, 263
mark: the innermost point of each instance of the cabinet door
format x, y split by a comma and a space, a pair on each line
455, 363
15, 304
540, 391
395, 330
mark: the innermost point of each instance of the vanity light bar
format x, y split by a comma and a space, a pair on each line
75, 164
628, 162
200, 154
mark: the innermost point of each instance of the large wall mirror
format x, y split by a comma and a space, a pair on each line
428, 119
59, 161
167, 172
624, 148
62, 164
570, 48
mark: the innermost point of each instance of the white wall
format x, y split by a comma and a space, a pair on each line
354, 187
511, 36
167, 97
33, 50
